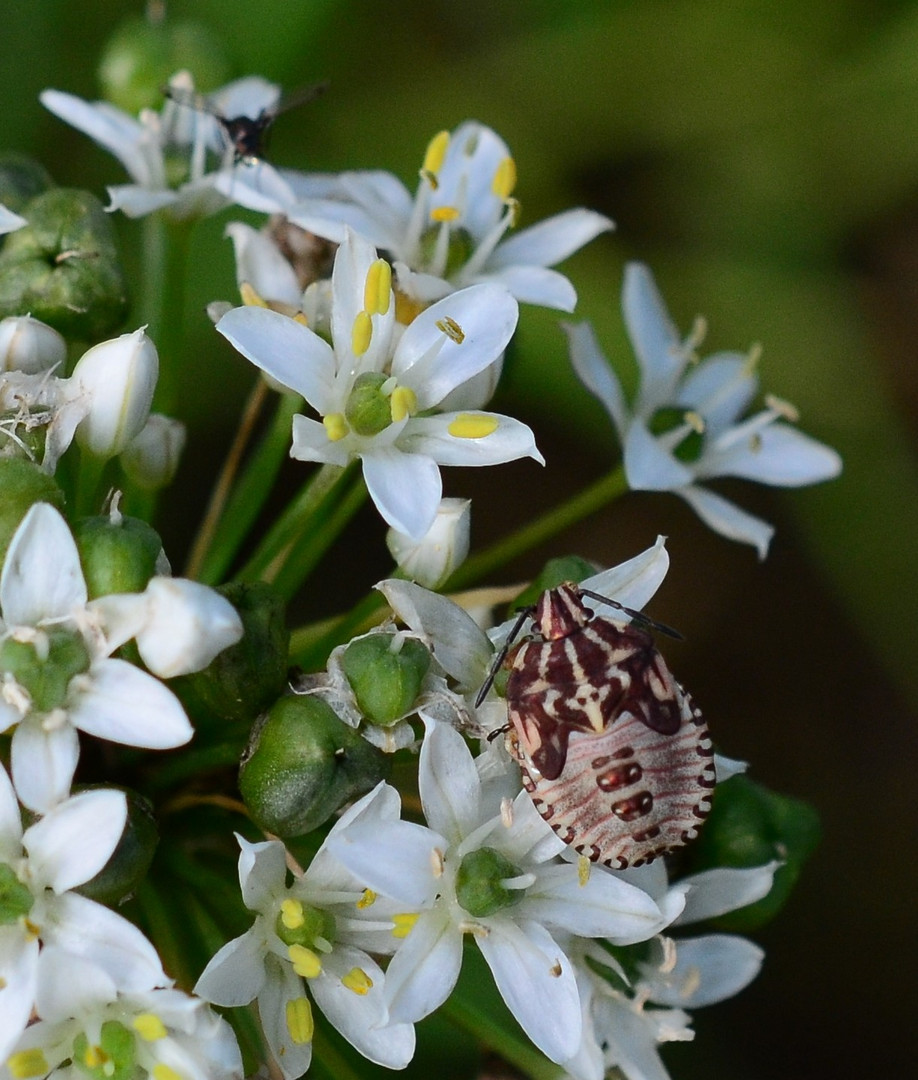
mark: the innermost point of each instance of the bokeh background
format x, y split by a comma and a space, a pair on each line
762, 157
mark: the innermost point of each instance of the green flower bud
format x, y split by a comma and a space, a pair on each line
15, 899
44, 666
303, 764
22, 483
21, 179
130, 861
141, 56
119, 554
368, 410
243, 680
63, 266
113, 1058
554, 573
385, 672
479, 882
749, 826
300, 924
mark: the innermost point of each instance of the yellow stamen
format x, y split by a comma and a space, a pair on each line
250, 297
436, 152
149, 1027
473, 426
27, 1063
377, 290
300, 1024
165, 1072
361, 333
305, 962
451, 328
94, 1057
444, 213
33, 930
513, 205
504, 178
292, 914
404, 402
335, 426
368, 898
407, 308
583, 871
301, 319
358, 981
783, 408
695, 421
404, 924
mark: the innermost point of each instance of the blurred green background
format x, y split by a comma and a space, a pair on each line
762, 157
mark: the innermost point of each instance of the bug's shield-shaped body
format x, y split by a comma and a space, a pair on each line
615, 755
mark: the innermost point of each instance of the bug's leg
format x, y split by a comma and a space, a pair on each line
497, 662
638, 616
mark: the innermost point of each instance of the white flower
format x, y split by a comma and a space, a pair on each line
442, 549
57, 673
150, 147
10, 222
452, 232
151, 458
315, 934
487, 867
375, 395
685, 424
101, 1029
30, 346
38, 868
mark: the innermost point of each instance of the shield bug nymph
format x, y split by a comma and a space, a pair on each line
613, 752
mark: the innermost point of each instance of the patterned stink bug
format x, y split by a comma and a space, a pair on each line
613, 752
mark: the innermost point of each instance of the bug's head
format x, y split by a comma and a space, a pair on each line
560, 611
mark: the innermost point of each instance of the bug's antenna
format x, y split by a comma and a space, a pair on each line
497, 662
638, 616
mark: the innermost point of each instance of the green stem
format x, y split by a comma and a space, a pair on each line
334, 1062
313, 497
575, 509
483, 1025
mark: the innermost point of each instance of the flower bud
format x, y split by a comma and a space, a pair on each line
245, 678
385, 671
119, 554
749, 826
303, 764
22, 483
151, 458
141, 55
441, 550
368, 409
28, 345
63, 266
131, 859
480, 887
21, 179
118, 377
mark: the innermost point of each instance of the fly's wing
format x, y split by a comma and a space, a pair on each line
302, 95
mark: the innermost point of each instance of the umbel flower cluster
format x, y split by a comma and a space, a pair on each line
403, 848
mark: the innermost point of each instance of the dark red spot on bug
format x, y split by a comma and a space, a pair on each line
619, 778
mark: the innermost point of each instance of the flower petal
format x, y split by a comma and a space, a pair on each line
10, 819
406, 488
260, 262
286, 350
42, 577
19, 967
534, 285
423, 972
43, 762
262, 872
282, 987
393, 858
721, 388
10, 222
648, 465
726, 518
552, 240
779, 455
236, 973
708, 969
715, 892
311, 443
443, 438
634, 581
449, 783
136, 201
596, 373
653, 335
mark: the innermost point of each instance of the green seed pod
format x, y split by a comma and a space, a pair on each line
368, 410
479, 882
22, 483
243, 680
303, 764
119, 554
140, 58
21, 179
131, 859
749, 826
63, 267
385, 672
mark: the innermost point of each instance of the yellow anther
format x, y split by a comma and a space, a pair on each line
694, 420
504, 178
444, 213
335, 426
361, 333
165, 1072
358, 981
377, 290
368, 898
403, 924
300, 1024
513, 212
305, 962
404, 402
27, 1063
783, 408
451, 328
301, 319
94, 1057
149, 1027
436, 152
583, 871
407, 308
473, 426
250, 297
292, 914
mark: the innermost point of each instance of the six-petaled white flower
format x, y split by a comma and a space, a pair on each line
377, 392
687, 425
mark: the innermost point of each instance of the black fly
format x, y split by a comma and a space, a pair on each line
246, 136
